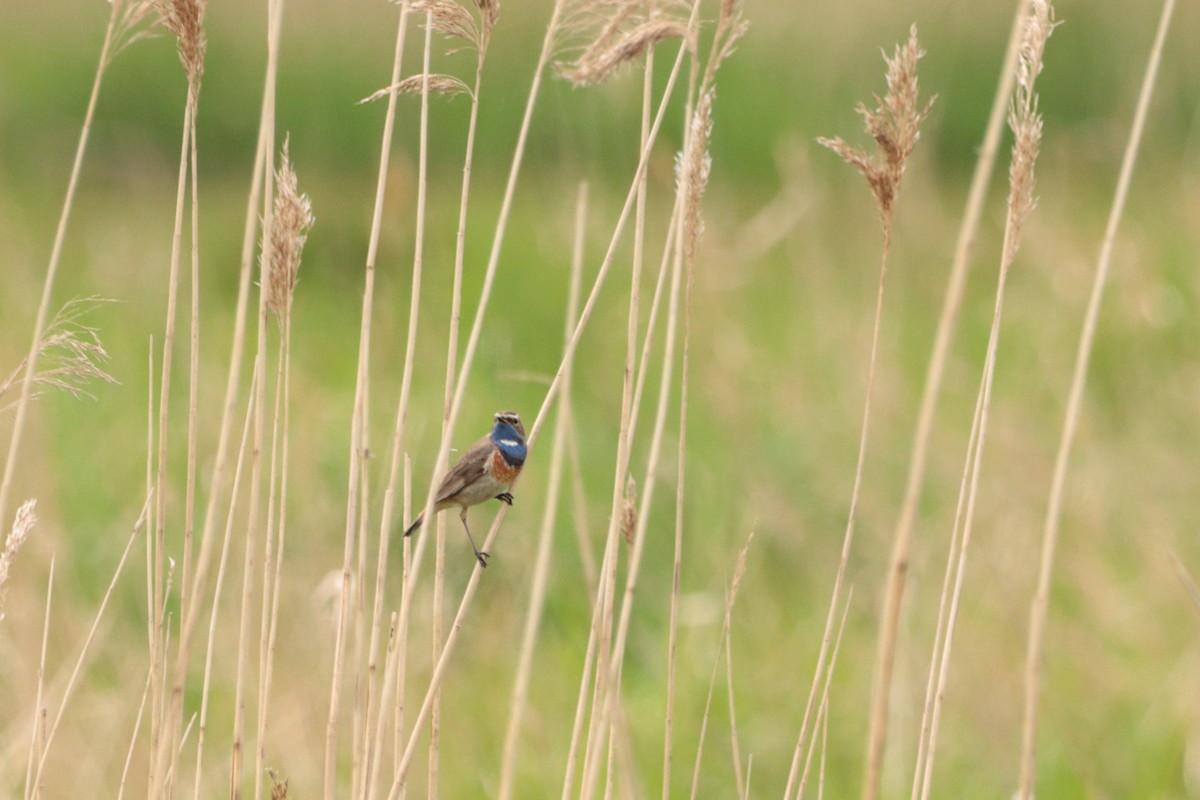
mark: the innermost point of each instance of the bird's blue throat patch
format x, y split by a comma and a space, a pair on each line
510, 443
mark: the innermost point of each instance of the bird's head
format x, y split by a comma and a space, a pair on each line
511, 419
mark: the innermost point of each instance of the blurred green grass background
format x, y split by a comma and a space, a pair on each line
783, 316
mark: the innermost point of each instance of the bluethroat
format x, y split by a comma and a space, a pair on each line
484, 472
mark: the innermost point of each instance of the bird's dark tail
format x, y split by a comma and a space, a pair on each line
416, 523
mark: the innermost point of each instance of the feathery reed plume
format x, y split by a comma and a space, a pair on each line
125, 26
1024, 119
185, 20
446, 85
69, 355
692, 167
453, 20
23, 523
292, 221
596, 67
895, 126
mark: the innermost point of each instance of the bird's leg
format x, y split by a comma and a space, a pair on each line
505, 497
482, 556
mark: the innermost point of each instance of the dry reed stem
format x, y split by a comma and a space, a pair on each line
1041, 598
40, 690
678, 249
291, 222
541, 571
589, 661
640, 522
622, 481
157, 538
730, 598
374, 750
358, 440
406, 382
1027, 127
733, 729
167, 752
133, 737
373, 756
692, 174
254, 501
480, 37
222, 564
940, 629
660, 283
184, 19
68, 691
824, 707
189, 510
947, 320
895, 127
123, 18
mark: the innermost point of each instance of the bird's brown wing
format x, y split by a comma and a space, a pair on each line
469, 469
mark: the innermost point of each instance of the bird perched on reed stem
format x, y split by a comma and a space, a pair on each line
485, 471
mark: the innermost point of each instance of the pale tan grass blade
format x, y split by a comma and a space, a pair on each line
727, 621
39, 694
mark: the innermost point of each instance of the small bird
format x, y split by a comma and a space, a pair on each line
486, 471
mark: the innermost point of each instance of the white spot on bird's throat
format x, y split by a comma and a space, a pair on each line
510, 442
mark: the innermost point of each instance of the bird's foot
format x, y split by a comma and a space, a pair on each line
505, 497
483, 558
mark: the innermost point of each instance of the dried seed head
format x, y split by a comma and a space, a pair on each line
894, 124
290, 224
69, 356
185, 20
128, 16
692, 167
23, 523
489, 12
446, 85
1025, 121
598, 65
449, 19
1037, 26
